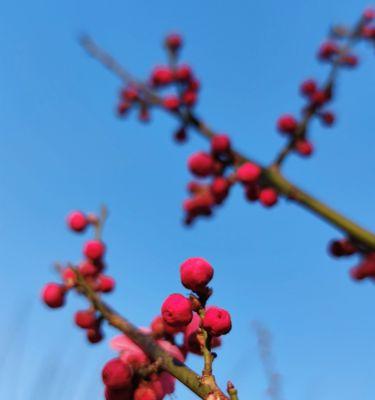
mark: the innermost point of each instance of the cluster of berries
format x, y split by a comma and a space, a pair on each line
132, 375
215, 165
368, 29
91, 269
162, 77
317, 97
365, 268
338, 55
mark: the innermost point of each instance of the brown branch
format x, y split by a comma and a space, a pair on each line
271, 176
179, 370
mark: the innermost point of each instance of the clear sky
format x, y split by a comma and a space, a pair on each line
61, 148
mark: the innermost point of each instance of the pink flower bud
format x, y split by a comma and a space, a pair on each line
106, 283
173, 41
176, 310
196, 273
220, 144
287, 124
117, 375
85, 319
161, 76
94, 250
248, 173
304, 147
217, 321
268, 197
77, 221
53, 295
308, 87
171, 103
201, 164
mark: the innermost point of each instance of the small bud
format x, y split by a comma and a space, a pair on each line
77, 221
201, 164
248, 173
116, 374
94, 250
53, 295
176, 310
196, 273
268, 197
217, 321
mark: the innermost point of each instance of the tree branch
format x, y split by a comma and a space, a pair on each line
176, 368
362, 237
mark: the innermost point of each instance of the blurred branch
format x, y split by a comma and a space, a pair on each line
363, 238
274, 389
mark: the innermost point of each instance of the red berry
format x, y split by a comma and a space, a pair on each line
94, 250
176, 310
145, 392
220, 144
53, 295
368, 32
319, 98
191, 341
157, 326
94, 335
349, 60
308, 87
77, 221
304, 147
161, 76
117, 375
88, 269
201, 164
189, 98
180, 135
173, 41
369, 14
196, 273
219, 189
200, 204
194, 187
183, 73
68, 276
194, 85
343, 247
85, 319
287, 124
366, 269
328, 118
123, 107
171, 103
248, 173
268, 197
106, 283
327, 50
130, 94
117, 394
252, 192
217, 321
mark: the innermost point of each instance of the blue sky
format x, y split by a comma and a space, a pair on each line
61, 148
